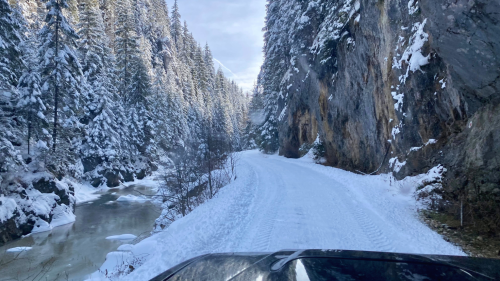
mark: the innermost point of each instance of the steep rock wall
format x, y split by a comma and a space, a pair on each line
419, 80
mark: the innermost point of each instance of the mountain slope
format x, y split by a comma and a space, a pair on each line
279, 203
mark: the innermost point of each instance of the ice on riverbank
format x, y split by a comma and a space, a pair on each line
122, 237
149, 181
84, 192
132, 198
18, 249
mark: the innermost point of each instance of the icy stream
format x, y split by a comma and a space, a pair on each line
73, 251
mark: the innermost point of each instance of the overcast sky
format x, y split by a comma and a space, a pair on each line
233, 30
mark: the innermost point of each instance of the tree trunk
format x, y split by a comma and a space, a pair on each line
56, 92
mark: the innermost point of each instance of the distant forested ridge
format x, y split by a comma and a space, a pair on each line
102, 91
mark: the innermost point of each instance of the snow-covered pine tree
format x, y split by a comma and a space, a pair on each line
201, 67
140, 89
255, 118
126, 47
221, 124
102, 147
209, 75
30, 103
177, 29
10, 39
11, 66
92, 47
108, 12
160, 106
176, 117
275, 46
62, 78
101, 150
159, 33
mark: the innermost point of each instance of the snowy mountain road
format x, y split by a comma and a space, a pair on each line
277, 203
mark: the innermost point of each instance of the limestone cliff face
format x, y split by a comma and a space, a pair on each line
419, 79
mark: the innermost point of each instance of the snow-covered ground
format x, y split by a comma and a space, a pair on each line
278, 203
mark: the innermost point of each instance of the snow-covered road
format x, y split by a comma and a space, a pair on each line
278, 203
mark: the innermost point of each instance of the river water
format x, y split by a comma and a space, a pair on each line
73, 251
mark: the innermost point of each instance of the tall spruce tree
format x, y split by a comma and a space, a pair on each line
61, 73
177, 29
30, 102
10, 40
126, 47
11, 66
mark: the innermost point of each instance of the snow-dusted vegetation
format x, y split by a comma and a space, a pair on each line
97, 93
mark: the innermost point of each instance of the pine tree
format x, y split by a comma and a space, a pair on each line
276, 52
30, 102
255, 119
61, 72
10, 40
93, 47
160, 106
102, 141
160, 94
126, 47
102, 147
177, 29
11, 66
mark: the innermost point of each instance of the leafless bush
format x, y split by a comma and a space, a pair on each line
192, 181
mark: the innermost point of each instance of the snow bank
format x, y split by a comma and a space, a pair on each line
118, 262
7, 208
84, 192
33, 205
149, 181
125, 247
61, 215
122, 237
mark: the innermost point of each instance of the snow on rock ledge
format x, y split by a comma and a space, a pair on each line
34, 203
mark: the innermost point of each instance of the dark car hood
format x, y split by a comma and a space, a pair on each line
332, 265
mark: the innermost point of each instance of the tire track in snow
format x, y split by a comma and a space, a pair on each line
374, 234
239, 224
261, 240
347, 209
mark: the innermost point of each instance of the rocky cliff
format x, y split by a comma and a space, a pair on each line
405, 84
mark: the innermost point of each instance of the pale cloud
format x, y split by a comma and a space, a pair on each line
233, 29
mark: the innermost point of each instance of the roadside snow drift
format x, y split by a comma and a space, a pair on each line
278, 203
